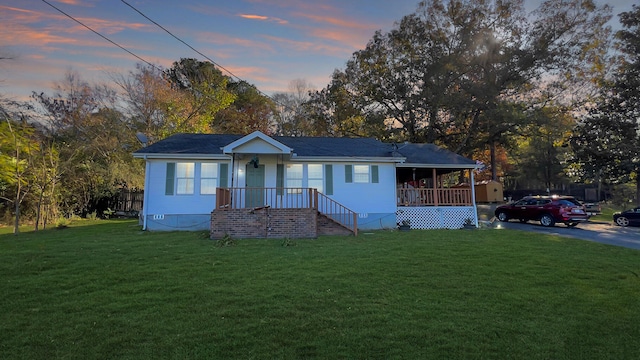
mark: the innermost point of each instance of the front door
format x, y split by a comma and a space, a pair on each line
255, 186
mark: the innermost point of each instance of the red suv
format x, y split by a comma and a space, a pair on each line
549, 210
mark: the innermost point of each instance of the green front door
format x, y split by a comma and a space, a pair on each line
255, 186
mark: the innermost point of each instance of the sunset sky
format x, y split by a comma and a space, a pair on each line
265, 42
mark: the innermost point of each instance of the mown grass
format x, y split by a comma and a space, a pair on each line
105, 289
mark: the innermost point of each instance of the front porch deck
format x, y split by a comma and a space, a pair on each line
253, 199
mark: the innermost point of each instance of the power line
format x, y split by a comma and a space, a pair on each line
201, 54
149, 63
182, 41
102, 36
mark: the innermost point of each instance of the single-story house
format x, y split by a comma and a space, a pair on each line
262, 186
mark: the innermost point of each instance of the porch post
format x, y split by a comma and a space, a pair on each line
435, 187
355, 224
473, 196
315, 199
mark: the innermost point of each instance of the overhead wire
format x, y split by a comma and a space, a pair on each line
180, 40
202, 54
99, 34
168, 32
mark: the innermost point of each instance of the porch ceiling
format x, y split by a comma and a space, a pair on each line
422, 172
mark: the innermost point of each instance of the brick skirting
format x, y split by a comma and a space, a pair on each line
264, 223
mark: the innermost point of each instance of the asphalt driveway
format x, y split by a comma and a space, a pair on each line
597, 231
601, 232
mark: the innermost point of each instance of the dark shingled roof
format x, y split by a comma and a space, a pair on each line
203, 144
336, 146
431, 154
190, 144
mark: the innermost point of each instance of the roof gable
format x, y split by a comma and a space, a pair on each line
257, 143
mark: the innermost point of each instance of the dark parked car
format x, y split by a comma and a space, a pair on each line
627, 217
549, 210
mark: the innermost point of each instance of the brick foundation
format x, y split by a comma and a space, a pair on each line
264, 223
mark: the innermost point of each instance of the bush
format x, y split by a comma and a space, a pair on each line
63, 223
623, 196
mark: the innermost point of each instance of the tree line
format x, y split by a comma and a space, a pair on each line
541, 98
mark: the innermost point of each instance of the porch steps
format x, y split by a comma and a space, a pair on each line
328, 226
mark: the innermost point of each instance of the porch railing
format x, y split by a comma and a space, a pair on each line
337, 212
286, 198
434, 197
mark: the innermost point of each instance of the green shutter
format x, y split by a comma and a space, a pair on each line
328, 179
279, 179
224, 175
171, 176
374, 174
348, 173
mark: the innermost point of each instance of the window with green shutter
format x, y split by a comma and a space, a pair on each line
362, 174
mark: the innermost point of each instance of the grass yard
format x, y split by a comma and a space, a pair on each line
105, 289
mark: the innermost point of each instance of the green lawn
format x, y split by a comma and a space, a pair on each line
105, 289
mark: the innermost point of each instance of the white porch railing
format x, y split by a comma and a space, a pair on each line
434, 197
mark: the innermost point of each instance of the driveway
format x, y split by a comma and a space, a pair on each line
601, 232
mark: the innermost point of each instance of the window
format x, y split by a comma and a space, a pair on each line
315, 178
294, 177
208, 178
184, 178
361, 173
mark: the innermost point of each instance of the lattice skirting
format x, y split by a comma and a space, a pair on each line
449, 217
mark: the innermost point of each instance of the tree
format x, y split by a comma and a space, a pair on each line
446, 73
291, 117
334, 111
607, 140
17, 148
542, 153
250, 111
93, 143
204, 93
146, 94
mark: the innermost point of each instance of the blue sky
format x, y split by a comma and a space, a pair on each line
265, 42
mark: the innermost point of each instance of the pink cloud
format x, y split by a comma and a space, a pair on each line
264, 18
72, 2
58, 24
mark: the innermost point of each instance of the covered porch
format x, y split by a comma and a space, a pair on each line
435, 197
